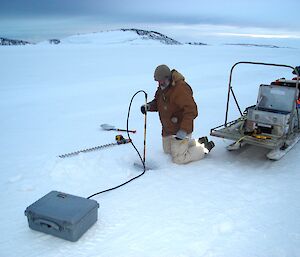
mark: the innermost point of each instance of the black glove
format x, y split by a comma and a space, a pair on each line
144, 108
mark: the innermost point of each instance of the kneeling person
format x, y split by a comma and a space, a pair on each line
177, 110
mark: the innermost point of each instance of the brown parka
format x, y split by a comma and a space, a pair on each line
175, 105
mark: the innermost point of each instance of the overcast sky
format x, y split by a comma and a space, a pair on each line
46, 17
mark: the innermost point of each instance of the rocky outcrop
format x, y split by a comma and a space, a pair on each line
153, 35
54, 41
12, 42
196, 44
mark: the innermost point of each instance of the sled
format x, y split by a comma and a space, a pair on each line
272, 123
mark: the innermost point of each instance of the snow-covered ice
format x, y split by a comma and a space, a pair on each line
53, 99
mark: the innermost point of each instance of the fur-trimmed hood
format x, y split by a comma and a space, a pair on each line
176, 76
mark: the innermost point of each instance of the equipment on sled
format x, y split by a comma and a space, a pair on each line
272, 123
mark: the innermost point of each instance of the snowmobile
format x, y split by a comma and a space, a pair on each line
272, 123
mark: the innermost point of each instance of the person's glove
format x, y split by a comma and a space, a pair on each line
144, 108
181, 134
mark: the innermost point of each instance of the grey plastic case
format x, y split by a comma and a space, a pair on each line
62, 215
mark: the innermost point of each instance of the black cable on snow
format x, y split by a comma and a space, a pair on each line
143, 161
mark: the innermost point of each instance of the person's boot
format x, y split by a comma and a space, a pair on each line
210, 145
203, 140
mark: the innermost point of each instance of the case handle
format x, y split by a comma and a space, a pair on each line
47, 223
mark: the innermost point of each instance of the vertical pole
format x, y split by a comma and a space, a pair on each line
145, 129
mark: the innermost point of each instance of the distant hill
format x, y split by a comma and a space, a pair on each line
121, 36
133, 36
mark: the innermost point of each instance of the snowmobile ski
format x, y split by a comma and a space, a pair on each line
278, 153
